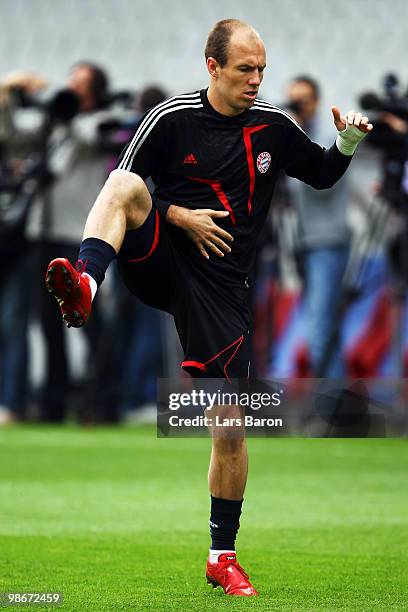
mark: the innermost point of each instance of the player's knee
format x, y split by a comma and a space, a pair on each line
128, 186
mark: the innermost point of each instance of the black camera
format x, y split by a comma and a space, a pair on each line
391, 101
391, 142
61, 107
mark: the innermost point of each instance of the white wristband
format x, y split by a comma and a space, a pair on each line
348, 139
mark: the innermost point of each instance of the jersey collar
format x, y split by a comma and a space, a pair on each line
210, 109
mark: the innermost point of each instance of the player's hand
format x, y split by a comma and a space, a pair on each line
351, 118
206, 234
201, 229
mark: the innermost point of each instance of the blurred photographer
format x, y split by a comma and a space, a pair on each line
323, 238
391, 137
78, 166
139, 328
16, 194
71, 168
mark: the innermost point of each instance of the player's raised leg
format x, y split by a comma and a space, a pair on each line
123, 203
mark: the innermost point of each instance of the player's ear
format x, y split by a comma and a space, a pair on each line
212, 67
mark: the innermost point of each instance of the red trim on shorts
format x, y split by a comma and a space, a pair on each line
248, 145
194, 364
240, 340
154, 245
203, 366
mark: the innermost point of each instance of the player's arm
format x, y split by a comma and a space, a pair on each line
201, 228
319, 167
200, 224
144, 155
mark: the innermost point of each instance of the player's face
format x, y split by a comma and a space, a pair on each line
236, 84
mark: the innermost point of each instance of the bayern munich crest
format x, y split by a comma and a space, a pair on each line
263, 161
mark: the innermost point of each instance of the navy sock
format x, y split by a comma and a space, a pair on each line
96, 254
224, 522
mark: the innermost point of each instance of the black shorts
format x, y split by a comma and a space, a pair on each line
212, 319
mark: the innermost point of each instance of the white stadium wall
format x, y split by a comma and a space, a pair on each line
346, 45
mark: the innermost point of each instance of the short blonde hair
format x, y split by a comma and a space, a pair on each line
219, 38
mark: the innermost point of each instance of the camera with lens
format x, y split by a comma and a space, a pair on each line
390, 107
391, 101
23, 176
391, 137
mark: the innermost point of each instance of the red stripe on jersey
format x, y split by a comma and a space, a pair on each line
155, 242
248, 131
216, 186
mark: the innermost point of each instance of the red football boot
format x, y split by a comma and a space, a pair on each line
72, 291
228, 574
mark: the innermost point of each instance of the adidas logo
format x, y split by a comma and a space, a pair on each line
190, 159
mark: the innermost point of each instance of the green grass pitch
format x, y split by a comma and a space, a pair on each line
116, 519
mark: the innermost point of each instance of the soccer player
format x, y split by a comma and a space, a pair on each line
214, 156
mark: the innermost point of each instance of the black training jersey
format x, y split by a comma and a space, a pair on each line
199, 158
